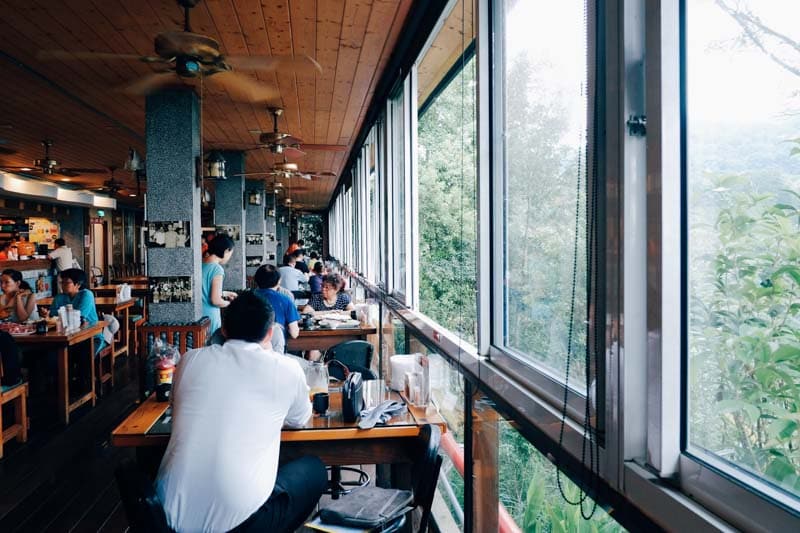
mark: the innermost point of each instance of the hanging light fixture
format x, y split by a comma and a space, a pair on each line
215, 166
134, 161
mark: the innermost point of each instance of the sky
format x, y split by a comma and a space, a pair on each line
726, 83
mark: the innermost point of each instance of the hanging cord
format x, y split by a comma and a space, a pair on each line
590, 172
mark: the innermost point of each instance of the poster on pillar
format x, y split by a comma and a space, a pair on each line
169, 234
231, 230
254, 239
171, 289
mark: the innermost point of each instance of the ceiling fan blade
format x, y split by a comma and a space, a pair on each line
255, 174
48, 55
325, 147
76, 171
304, 176
242, 87
150, 83
302, 64
292, 150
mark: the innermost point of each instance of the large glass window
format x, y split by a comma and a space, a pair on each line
399, 197
447, 176
541, 253
742, 201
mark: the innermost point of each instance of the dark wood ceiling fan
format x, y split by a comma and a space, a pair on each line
184, 54
287, 170
281, 142
48, 166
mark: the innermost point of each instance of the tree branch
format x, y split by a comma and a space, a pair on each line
752, 26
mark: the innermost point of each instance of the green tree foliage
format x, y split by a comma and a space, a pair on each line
447, 207
745, 328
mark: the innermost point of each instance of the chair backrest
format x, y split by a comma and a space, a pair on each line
356, 355
142, 507
426, 470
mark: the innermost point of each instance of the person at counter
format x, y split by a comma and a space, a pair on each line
4, 250
17, 302
61, 257
330, 299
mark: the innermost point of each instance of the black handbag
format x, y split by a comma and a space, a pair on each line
352, 397
368, 507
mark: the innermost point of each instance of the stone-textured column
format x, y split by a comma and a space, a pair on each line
229, 211
282, 230
173, 142
255, 220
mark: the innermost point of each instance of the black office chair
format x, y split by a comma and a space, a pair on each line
356, 356
142, 507
425, 474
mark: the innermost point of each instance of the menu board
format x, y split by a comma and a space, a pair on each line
43, 231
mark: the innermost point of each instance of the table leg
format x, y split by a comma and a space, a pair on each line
126, 331
91, 367
63, 384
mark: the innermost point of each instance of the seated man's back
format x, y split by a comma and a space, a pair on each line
229, 404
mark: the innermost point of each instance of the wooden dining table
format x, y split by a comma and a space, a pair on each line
129, 280
62, 342
328, 437
111, 306
138, 290
322, 338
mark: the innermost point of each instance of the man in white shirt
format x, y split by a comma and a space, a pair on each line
229, 402
171, 237
291, 278
62, 257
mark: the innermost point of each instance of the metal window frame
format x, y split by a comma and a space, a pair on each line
537, 377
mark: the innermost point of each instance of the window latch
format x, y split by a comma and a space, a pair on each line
637, 125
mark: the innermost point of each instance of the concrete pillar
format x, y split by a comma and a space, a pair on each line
271, 235
229, 211
172, 130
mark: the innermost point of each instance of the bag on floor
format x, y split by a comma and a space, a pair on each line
368, 507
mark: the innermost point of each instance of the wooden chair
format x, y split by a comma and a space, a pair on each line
106, 355
18, 395
184, 336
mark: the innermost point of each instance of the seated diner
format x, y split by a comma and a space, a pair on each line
330, 299
212, 478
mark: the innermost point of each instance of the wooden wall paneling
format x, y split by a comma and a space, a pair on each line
383, 13
21, 37
277, 21
329, 21
303, 16
62, 20
396, 27
354, 26
251, 20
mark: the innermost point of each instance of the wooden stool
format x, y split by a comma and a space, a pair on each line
18, 394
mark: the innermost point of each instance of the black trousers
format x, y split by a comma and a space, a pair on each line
298, 488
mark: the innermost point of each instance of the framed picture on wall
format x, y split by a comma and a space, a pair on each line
232, 230
254, 261
254, 198
171, 289
168, 234
270, 212
254, 238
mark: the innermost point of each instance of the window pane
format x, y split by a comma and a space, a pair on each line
742, 124
447, 174
544, 113
526, 482
398, 193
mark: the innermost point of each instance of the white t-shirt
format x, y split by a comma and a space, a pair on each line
291, 278
63, 258
229, 404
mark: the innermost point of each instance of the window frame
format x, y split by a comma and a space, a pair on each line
734, 494
537, 377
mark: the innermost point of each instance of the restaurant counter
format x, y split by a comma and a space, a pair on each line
27, 264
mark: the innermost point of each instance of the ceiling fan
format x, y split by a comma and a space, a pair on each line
48, 166
287, 170
278, 142
185, 54
112, 186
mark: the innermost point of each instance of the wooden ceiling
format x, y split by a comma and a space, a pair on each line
78, 104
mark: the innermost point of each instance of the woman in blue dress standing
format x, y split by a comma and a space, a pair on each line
220, 250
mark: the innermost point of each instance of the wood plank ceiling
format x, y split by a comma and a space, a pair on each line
77, 103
